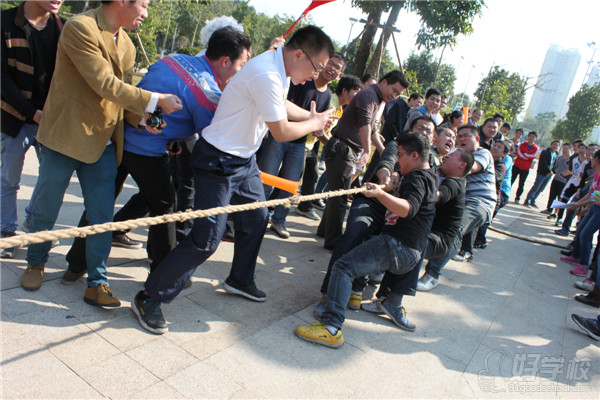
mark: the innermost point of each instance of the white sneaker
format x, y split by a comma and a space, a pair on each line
372, 307
463, 256
586, 284
322, 165
426, 283
310, 214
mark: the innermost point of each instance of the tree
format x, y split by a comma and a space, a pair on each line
441, 23
426, 68
502, 92
543, 124
582, 117
386, 63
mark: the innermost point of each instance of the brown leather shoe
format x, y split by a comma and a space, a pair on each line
33, 276
101, 296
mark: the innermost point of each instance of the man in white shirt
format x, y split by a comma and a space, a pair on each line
225, 171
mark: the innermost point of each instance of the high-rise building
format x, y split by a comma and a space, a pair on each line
556, 78
592, 79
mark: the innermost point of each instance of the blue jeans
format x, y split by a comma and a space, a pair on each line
321, 184
538, 187
285, 160
582, 245
474, 216
97, 181
220, 179
13, 151
375, 256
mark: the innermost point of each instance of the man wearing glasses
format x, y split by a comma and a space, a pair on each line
351, 136
225, 170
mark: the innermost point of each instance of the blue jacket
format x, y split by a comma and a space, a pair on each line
198, 106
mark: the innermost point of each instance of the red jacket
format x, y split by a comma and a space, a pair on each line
525, 155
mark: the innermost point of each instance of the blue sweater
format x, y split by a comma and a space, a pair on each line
198, 107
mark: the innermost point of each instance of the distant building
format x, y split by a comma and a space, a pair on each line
556, 78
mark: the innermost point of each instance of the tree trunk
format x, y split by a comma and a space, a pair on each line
364, 48
375, 63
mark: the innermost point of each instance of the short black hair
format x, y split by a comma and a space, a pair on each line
342, 59
366, 77
348, 82
394, 77
467, 158
488, 120
582, 145
597, 154
415, 96
432, 92
498, 115
414, 142
471, 127
422, 118
312, 40
506, 125
227, 42
567, 144
519, 130
577, 141
554, 141
532, 133
506, 146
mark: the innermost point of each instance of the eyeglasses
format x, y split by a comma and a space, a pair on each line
336, 66
464, 135
317, 71
403, 153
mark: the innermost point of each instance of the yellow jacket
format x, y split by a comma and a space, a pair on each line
90, 90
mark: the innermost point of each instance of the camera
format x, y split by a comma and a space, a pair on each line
155, 119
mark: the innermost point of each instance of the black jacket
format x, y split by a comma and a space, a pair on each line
17, 69
544, 163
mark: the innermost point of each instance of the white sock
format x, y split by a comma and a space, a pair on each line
332, 329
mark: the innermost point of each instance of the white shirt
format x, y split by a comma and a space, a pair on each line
254, 95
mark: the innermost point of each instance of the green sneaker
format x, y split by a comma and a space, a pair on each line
317, 333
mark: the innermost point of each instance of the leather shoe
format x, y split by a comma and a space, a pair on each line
591, 299
122, 240
101, 296
70, 277
33, 276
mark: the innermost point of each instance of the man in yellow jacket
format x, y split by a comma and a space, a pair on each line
82, 130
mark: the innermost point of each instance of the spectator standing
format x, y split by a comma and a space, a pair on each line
546, 165
526, 153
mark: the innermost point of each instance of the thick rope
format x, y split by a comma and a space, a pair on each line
44, 236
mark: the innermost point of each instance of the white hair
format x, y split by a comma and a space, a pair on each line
216, 24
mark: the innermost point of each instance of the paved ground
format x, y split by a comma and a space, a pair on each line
497, 327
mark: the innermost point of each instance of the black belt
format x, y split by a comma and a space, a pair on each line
348, 143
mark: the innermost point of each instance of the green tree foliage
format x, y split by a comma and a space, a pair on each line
543, 124
427, 69
582, 117
441, 22
501, 92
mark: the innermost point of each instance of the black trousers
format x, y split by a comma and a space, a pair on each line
152, 175
522, 174
339, 159
556, 189
309, 178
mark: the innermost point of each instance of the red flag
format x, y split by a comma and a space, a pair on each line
313, 5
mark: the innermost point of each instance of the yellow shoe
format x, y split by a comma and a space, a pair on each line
101, 296
355, 301
33, 276
317, 333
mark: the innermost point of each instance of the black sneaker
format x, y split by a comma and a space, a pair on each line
122, 240
248, 290
589, 325
566, 252
319, 204
10, 251
149, 314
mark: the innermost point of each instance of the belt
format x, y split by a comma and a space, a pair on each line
348, 143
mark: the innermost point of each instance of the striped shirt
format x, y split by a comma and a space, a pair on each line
481, 186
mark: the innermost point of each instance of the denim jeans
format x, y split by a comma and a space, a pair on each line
375, 256
220, 179
285, 160
97, 181
538, 187
13, 151
582, 245
365, 220
474, 216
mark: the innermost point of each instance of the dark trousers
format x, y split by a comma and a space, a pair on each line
522, 174
365, 220
482, 231
182, 176
157, 196
556, 189
309, 178
339, 160
220, 179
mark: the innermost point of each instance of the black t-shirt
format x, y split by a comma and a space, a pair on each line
303, 95
419, 188
450, 207
500, 170
44, 46
395, 119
